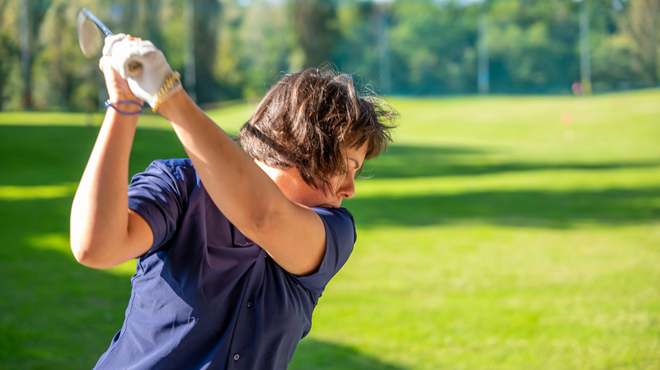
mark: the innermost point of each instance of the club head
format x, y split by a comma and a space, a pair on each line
89, 36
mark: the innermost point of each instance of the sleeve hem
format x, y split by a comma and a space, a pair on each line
338, 248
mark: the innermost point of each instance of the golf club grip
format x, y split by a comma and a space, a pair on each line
106, 31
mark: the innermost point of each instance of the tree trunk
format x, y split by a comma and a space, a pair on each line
316, 34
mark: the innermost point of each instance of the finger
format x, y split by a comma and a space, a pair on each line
104, 62
110, 41
114, 38
109, 72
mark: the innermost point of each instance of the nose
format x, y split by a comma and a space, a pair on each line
347, 188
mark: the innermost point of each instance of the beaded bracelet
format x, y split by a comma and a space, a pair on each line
169, 83
108, 104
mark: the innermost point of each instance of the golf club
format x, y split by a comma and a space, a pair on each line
88, 36
91, 43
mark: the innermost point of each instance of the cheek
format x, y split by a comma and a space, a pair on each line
333, 190
313, 196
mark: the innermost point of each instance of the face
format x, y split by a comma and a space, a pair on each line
342, 186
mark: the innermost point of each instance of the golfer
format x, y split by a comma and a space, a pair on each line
234, 246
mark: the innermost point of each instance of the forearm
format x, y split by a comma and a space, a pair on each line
99, 216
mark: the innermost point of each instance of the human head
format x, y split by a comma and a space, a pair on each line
307, 120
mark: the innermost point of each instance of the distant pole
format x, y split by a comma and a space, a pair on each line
585, 57
25, 53
189, 48
384, 46
483, 73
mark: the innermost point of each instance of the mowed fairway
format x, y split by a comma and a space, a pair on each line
496, 233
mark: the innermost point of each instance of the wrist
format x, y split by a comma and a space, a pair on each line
123, 119
169, 87
125, 107
173, 104
123, 95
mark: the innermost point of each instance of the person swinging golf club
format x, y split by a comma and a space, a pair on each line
234, 245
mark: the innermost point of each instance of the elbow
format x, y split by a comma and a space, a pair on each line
88, 260
84, 253
82, 256
80, 252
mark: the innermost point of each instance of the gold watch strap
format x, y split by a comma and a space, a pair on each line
169, 83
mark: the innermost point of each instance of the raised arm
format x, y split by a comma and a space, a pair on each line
268, 212
292, 234
104, 232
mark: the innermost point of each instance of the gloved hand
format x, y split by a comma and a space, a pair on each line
110, 42
143, 66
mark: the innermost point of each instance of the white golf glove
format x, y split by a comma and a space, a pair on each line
144, 67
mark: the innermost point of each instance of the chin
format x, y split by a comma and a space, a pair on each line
327, 205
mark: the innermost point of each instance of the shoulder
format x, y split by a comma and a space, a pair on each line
340, 220
177, 172
180, 167
161, 195
340, 239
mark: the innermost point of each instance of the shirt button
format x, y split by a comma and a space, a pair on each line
249, 304
236, 356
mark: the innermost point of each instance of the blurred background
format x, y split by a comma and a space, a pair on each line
230, 50
514, 223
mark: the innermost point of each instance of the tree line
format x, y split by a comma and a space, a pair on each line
408, 47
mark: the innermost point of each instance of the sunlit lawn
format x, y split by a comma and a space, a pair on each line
498, 233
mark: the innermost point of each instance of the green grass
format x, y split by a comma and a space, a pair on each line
497, 233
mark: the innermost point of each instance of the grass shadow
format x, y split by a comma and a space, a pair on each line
405, 161
47, 155
56, 314
322, 355
513, 208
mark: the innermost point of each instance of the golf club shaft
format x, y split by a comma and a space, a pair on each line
106, 31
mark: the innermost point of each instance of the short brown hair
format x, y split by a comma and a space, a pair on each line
308, 119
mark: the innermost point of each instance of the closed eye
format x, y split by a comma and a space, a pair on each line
356, 163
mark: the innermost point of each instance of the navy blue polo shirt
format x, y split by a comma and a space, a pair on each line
205, 296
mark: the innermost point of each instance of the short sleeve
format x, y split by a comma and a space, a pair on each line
158, 195
340, 238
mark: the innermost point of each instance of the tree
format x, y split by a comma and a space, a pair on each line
10, 85
433, 47
534, 45
357, 49
643, 26
207, 28
64, 77
315, 27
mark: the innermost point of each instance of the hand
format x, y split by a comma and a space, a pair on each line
142, 65
118, 88
110, 42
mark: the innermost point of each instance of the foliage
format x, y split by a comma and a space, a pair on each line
11, 84
64, 77
533, 46
399, 47
433, 47
254, 47
643, 26
315, 29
